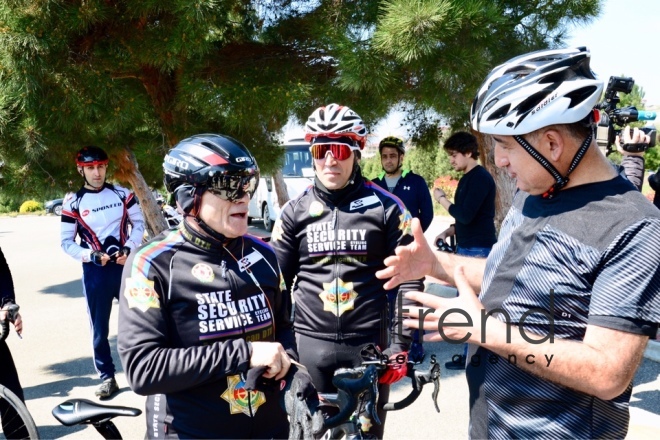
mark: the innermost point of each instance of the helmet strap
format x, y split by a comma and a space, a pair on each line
560, 181
356, 167
198, 191
210, 231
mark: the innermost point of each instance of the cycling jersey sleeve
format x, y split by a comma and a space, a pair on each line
68, 232
284, 324
137, 221
625, 294
286, 246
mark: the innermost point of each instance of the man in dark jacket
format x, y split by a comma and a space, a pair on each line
201, 304
411, 188
332, 239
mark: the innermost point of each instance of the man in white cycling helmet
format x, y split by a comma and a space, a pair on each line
559, 314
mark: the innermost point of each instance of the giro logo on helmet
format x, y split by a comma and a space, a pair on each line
242, 159
176, 162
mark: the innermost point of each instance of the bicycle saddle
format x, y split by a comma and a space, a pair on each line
82, 411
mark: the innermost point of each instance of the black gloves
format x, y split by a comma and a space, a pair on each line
300, 383
95, 257
654, 180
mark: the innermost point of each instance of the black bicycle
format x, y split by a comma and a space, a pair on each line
357, 390
16, 421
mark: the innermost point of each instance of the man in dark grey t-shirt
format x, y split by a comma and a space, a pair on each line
570, 293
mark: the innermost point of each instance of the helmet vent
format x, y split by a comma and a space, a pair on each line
580, 95
528, 104
557, 77
500, 113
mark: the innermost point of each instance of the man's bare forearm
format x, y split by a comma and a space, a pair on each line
445, 264
602, 365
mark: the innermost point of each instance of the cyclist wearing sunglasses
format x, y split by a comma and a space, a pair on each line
333, 238
202, 303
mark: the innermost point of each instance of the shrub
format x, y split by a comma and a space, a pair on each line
448, 184
30, 206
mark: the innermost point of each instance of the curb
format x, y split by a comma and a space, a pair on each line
652, 351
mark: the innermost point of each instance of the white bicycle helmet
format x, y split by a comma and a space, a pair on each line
536, 90
336, 121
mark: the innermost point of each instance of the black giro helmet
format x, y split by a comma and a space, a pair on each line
212, 162
91, 155
392, 142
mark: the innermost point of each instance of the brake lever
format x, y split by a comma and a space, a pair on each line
435, 378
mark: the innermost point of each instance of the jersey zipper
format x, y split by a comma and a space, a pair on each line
335, 226
234, 288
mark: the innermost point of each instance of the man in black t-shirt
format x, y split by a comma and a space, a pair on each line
474, 203
473, 209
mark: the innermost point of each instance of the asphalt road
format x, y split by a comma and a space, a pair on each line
54, 356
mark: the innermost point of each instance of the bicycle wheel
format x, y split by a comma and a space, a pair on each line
16, 421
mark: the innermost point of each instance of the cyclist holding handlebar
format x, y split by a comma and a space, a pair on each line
202, 303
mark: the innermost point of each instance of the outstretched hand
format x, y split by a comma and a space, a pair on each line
410, 262
465, 305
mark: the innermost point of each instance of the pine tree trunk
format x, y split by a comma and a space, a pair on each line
506, 186
280, 188
129, 171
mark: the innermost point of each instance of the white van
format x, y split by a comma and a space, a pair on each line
298, 175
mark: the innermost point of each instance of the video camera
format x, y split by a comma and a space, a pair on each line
612, 116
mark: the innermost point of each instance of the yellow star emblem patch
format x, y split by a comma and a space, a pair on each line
338, 297
140, 293
240, 400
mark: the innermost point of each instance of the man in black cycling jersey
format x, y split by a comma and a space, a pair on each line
100, 213
8, 373
332, 239
570, 293
202, 303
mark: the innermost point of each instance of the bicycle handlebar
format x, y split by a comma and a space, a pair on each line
419, 379
12, 310
351, 383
